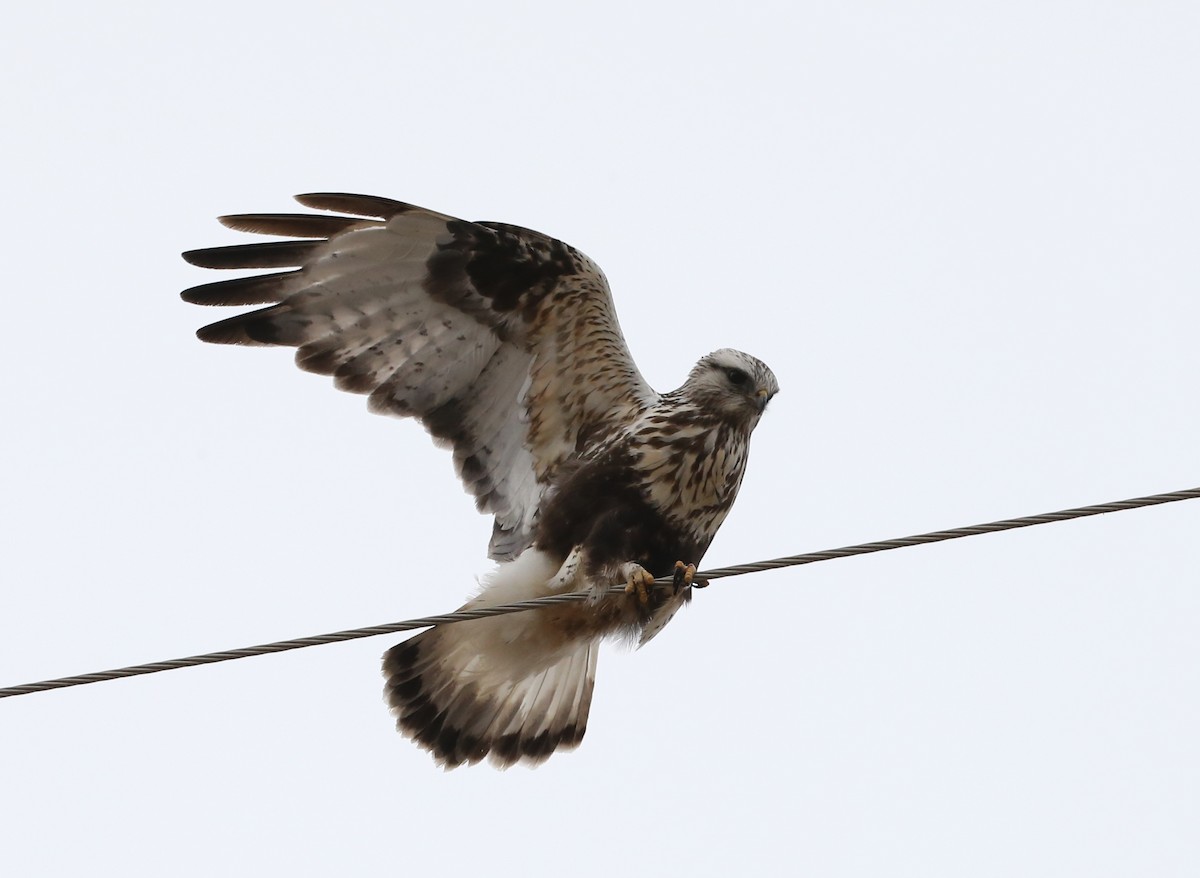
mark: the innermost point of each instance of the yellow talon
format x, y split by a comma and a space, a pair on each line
639, 582
683, 575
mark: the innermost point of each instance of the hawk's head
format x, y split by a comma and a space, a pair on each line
732, 385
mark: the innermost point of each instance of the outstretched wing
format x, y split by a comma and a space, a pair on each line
502, 341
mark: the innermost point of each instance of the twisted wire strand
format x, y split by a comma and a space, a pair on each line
570, 597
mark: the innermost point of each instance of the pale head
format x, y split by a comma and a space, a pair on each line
731, 384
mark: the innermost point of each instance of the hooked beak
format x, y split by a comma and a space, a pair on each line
762, 398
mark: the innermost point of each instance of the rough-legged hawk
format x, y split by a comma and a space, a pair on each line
504, 343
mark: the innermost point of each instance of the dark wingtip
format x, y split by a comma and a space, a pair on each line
255, 328
360, 205
194, 257
261, 289
301, 225
212, 336
272, 254
222, 333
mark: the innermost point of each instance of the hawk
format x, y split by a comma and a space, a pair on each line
504, 344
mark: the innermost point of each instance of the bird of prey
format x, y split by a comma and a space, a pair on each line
504, 344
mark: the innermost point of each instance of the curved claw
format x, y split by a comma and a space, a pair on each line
684, 576
639, 581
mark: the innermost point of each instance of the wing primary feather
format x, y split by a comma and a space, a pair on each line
255, 328
259, 289
300, 225
274, 254
360, 205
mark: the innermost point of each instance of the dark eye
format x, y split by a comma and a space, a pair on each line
736, 377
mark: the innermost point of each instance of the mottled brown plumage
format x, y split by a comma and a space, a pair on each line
504, 343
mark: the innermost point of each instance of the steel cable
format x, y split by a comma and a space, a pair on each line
521, 606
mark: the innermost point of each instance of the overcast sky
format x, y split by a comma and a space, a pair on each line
965, 238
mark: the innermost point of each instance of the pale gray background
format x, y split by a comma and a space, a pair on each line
964, 236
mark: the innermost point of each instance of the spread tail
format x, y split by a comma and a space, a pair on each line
513, 688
